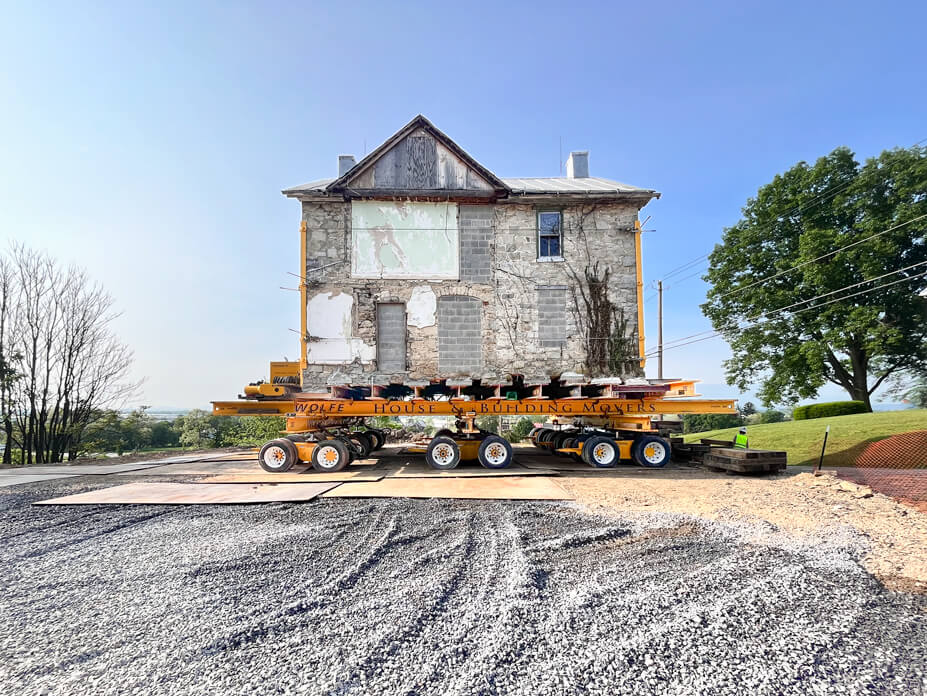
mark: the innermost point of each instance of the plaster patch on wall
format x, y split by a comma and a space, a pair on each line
330, 321
420, 310
404, 239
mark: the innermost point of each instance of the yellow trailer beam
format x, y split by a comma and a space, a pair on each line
349, 408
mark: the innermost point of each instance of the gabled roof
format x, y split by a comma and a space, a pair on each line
509, 187
418, 122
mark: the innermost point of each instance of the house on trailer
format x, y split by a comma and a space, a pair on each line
421, 264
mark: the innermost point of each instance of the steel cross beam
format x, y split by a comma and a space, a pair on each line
351, 408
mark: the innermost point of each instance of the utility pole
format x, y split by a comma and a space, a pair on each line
659, 329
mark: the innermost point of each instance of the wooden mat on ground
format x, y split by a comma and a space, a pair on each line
309, 476
193, 494
420, 470
500, 488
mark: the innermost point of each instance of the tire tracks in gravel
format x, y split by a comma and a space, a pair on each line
276, 620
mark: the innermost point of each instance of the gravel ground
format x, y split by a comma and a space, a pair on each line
438, 597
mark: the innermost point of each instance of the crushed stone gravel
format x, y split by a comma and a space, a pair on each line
438, 597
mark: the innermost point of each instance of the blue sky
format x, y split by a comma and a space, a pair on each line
149, 143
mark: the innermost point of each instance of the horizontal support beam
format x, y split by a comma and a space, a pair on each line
348, 408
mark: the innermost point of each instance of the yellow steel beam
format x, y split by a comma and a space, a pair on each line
348, 408
640, 292
303, 356
252, 408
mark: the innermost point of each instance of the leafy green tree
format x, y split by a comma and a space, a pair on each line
748, 409
520, 430
251, 431
488, 423
199, 429
701, 422
811, 210
911, 389
772, 416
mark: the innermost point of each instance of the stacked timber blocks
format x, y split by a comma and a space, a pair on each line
744, 461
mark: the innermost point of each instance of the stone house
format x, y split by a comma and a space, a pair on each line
421, 264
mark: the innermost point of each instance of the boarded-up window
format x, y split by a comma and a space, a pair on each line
552, 316
475, 241
391, 337
459, 334
404, 239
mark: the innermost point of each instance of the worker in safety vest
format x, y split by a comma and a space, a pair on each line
740, 439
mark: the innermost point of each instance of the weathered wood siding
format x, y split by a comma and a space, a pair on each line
419, 162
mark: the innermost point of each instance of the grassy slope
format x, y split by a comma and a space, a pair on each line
848, 435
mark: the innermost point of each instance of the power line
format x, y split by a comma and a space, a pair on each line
806, 309
822, 256
801, 302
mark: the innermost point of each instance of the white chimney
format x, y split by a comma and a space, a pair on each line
345, 163
577, 166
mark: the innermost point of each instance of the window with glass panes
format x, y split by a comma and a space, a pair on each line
549, 236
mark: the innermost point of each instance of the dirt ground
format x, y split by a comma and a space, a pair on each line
800, 504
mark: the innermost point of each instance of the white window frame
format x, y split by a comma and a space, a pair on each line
559, 257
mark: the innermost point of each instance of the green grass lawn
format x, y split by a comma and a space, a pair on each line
848, 435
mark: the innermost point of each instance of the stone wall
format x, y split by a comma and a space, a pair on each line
500, 271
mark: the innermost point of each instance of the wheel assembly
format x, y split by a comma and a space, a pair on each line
600, 452
330, 455
278, 456
650, 451
495, 452
443, 453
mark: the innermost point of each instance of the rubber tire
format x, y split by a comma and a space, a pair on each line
344, 457
637, 451
363, 444
378, 438
289, 456
558, 439
579, 439
444, 432
589, 448
486, 444
442, 439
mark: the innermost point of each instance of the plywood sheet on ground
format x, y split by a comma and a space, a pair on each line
288, 477
194, 494
16, 479
421, 470
205, 468
500, 488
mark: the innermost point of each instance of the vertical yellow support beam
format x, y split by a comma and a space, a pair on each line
303, 357
640, 292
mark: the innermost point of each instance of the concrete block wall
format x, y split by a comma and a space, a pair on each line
460, 344
476, 236
552, 316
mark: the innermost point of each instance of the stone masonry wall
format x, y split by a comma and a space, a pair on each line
499, 270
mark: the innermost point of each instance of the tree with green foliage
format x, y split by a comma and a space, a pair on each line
748, 409
520, 430
772, 416
701, 422
783, 254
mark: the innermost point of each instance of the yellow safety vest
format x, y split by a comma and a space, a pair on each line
740, 441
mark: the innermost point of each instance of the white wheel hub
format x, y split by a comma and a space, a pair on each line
654, 452
603, 453
443, 454
496, 454
274, 457
329, 456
